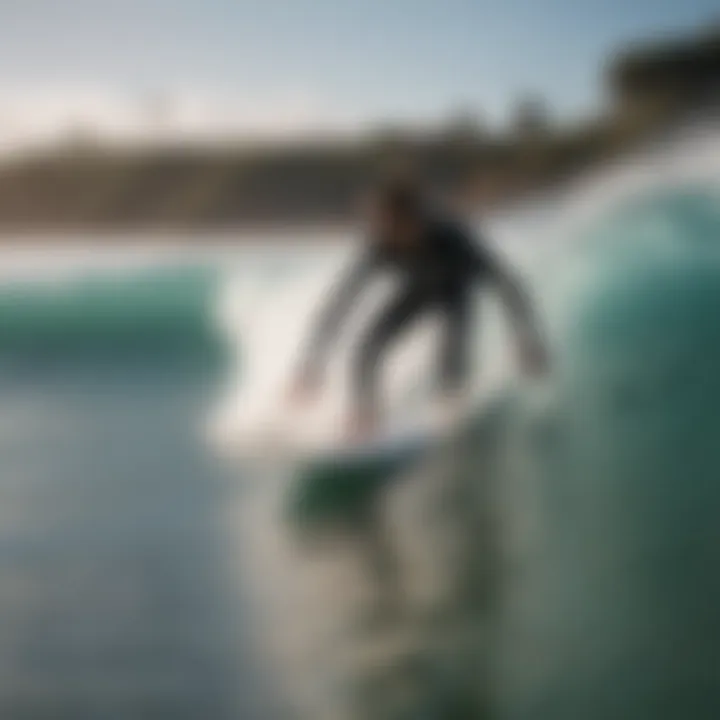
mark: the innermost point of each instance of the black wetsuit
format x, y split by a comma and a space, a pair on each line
436, 275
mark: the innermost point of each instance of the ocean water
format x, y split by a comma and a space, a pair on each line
132, 580
116, 596
142, 574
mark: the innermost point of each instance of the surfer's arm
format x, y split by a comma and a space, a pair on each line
516, 301
519, 307
336, 308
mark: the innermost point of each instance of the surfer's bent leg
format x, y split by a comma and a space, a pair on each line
407, 306
454, 360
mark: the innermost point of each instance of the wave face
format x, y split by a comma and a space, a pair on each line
143, 313
559, 554
615, 583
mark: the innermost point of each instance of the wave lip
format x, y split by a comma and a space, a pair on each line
153, 312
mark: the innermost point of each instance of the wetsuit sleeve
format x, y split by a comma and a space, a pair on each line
513, 295
478, 259
486, 266
335, 310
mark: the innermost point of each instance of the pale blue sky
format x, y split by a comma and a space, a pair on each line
346, 59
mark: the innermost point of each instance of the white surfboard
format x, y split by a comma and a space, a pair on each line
303, 434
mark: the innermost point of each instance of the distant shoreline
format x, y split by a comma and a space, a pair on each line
84, 188
113, 238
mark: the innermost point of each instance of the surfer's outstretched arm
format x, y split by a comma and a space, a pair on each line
333, 314
521, 312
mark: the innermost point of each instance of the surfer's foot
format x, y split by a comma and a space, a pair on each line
361, 425
379, 616
448, 408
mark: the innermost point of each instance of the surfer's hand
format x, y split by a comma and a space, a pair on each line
361, 425
304, 387
533, 358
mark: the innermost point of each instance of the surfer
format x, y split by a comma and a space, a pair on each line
438, 262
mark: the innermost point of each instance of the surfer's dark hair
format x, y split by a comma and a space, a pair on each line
400, 195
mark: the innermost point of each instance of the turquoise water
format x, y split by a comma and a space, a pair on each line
158, 311
614, 612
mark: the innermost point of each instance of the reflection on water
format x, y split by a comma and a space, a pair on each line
114, 592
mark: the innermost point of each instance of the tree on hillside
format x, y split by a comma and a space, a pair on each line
531, 117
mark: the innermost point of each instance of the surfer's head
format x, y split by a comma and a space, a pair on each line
397, 211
